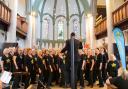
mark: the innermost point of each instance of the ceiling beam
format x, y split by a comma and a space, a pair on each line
86, 6
36, 5
42, 9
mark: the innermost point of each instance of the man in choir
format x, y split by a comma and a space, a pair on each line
77, 46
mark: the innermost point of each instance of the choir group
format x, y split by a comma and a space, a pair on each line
51, 66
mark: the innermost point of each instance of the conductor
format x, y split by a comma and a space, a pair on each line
67, 50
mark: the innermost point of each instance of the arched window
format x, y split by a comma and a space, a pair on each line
75, 26
60, 31
45, 28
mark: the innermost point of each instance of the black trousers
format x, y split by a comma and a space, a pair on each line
104, 74
33, 77
99, 75
75, 73
81, 78
90, 78
62, 76
49, 78
67, 72
40, 81
80, 73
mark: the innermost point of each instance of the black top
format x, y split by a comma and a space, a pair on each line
41, 63
98, 60
7, 63
119, 82
48, 61
112, 68
30, 63
82, 58
35, 58
19, 61
89, 62
77, 46
105, 57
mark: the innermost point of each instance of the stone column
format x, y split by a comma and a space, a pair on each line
109, 26
28, 41
33, 31
11, 34
90, 36
87, 31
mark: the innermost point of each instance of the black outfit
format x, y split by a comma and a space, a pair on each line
49, 62
7, 63
21, 68
119, 82
112, 68
89, 72
41, 65
77, 46
55, 69
31, 69
80, 71
61, 65
104, 70
20, 62
99, 59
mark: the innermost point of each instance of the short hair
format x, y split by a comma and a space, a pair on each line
72, 34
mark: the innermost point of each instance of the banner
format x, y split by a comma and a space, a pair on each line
119, 38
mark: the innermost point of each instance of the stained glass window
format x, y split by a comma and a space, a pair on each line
75, 26
60, 31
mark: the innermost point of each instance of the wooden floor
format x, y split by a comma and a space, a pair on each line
57, 87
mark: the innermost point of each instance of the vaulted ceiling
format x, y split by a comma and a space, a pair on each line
62, 7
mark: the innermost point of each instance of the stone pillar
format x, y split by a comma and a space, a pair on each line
28, 41
11, 34
33, 31
92, 32
87, 31
109, 26
90, 36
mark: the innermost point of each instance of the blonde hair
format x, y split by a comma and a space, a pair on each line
112, 57
5, 50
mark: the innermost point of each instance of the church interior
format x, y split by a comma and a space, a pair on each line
47, 24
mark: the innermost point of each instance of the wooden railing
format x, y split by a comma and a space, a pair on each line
101, 27
5, 13
120, 14
22, 25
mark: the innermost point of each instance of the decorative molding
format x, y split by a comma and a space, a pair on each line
48, 15
74, 15
59, 16
42, 9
